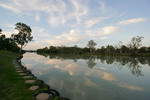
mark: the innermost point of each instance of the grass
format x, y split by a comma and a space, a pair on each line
12, 86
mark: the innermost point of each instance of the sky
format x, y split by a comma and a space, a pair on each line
75, 22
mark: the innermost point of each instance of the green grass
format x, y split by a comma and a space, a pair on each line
12, 86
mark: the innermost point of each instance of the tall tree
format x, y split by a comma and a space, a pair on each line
24, 35
91, 44
0, 31
135, 43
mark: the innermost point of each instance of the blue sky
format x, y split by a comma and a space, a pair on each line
75, 22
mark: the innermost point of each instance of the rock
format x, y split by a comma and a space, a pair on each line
19, 71
44, 96
35, 87
30, 81
28, 77
22, 74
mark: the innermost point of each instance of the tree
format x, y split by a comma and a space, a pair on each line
119, 46
24, 35
91, 44
135, 43
0, 31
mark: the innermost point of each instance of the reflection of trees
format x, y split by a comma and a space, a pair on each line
91, 62
134, 66
131, 63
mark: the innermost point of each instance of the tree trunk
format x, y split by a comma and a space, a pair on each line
20, 49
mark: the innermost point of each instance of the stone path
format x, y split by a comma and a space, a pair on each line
35, 84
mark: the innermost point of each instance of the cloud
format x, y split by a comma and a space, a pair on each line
37, 18
102, 6
101, 74
131, 87
90, 83
102, 38
58, 11
103, 31
73, 37
132, 21
95, 21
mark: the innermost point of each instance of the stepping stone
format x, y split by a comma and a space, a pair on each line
35, 87
30, 81
28, 77
44, 96
19, 71
22, 74
17, 66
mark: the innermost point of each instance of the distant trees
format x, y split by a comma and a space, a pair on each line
24, 35
132, 49
91, 44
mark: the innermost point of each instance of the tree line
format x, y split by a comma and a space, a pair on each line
17, 41
133, 48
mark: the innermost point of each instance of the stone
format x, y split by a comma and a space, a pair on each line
43, 96
17, 66
22, 74
28, 77
30, 81
35, 87
19, 71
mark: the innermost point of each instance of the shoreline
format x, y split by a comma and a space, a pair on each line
42, 90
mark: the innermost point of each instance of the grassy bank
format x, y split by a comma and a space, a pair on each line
12, 86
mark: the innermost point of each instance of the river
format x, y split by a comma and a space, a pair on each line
91, 77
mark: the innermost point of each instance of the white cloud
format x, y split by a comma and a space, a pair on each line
101, 74
102, 38
131, 87
95, 21
37, 18
74, 36
103, 32
102, 6
132, 21
58, 11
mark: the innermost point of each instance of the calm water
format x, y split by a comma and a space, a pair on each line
93, 78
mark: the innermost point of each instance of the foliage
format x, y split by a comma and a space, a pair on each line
8, 44
91, 44
0, 31
118, 49
24, 35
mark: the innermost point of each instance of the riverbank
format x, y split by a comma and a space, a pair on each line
18, 83
12, 84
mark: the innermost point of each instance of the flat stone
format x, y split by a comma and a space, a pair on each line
28, 77
35, 87
30, 81
43, 96
22, 74
19, 71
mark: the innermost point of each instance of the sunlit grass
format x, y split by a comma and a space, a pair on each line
12, 86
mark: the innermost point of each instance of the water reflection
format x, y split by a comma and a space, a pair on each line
133, 64
91, 62
93, 77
